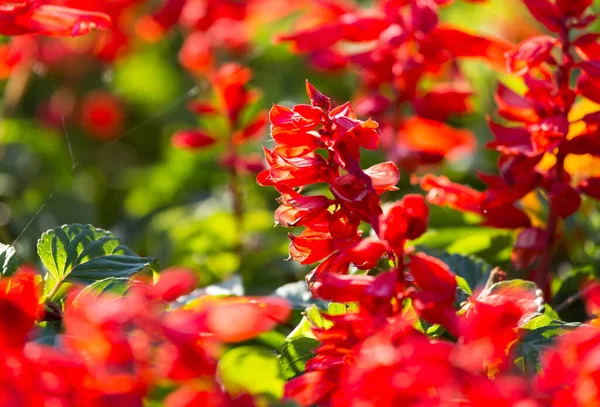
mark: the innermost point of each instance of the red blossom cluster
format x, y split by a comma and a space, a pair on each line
117, 350
232, 99
406, 59
540, 127
377, 353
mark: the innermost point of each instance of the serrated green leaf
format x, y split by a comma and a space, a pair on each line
110, 266
538, 340
8, 259
86, 254
294, 354
251, 369
113, 284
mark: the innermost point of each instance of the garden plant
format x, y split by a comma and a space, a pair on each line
437, 164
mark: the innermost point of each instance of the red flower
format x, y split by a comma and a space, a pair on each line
30, 17
19, 309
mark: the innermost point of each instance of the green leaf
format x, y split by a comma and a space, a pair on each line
111, 266
571, 283
338, 308
251, 369
112, 284
295, 354
315, 317
542, 331
489, 244
86, 254
8, 259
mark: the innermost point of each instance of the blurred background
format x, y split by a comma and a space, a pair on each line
87, 125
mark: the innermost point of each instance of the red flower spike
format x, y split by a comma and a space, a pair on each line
192, 140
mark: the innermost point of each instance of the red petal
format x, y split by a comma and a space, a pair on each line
192, 139
173, 283
366, 254
545, 12
435, 137
565, 199
591, 187
462, 44
240, 319
341, 288
432, 275
444, 192
589, 88
592, 68
385, 176
310, 247
513, 106
58, 21
530, 54
317, 98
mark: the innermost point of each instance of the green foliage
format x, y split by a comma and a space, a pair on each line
572, 309
540, 334
116, 285
294, 354
251, 369
86, 254
489, 244
8, 259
